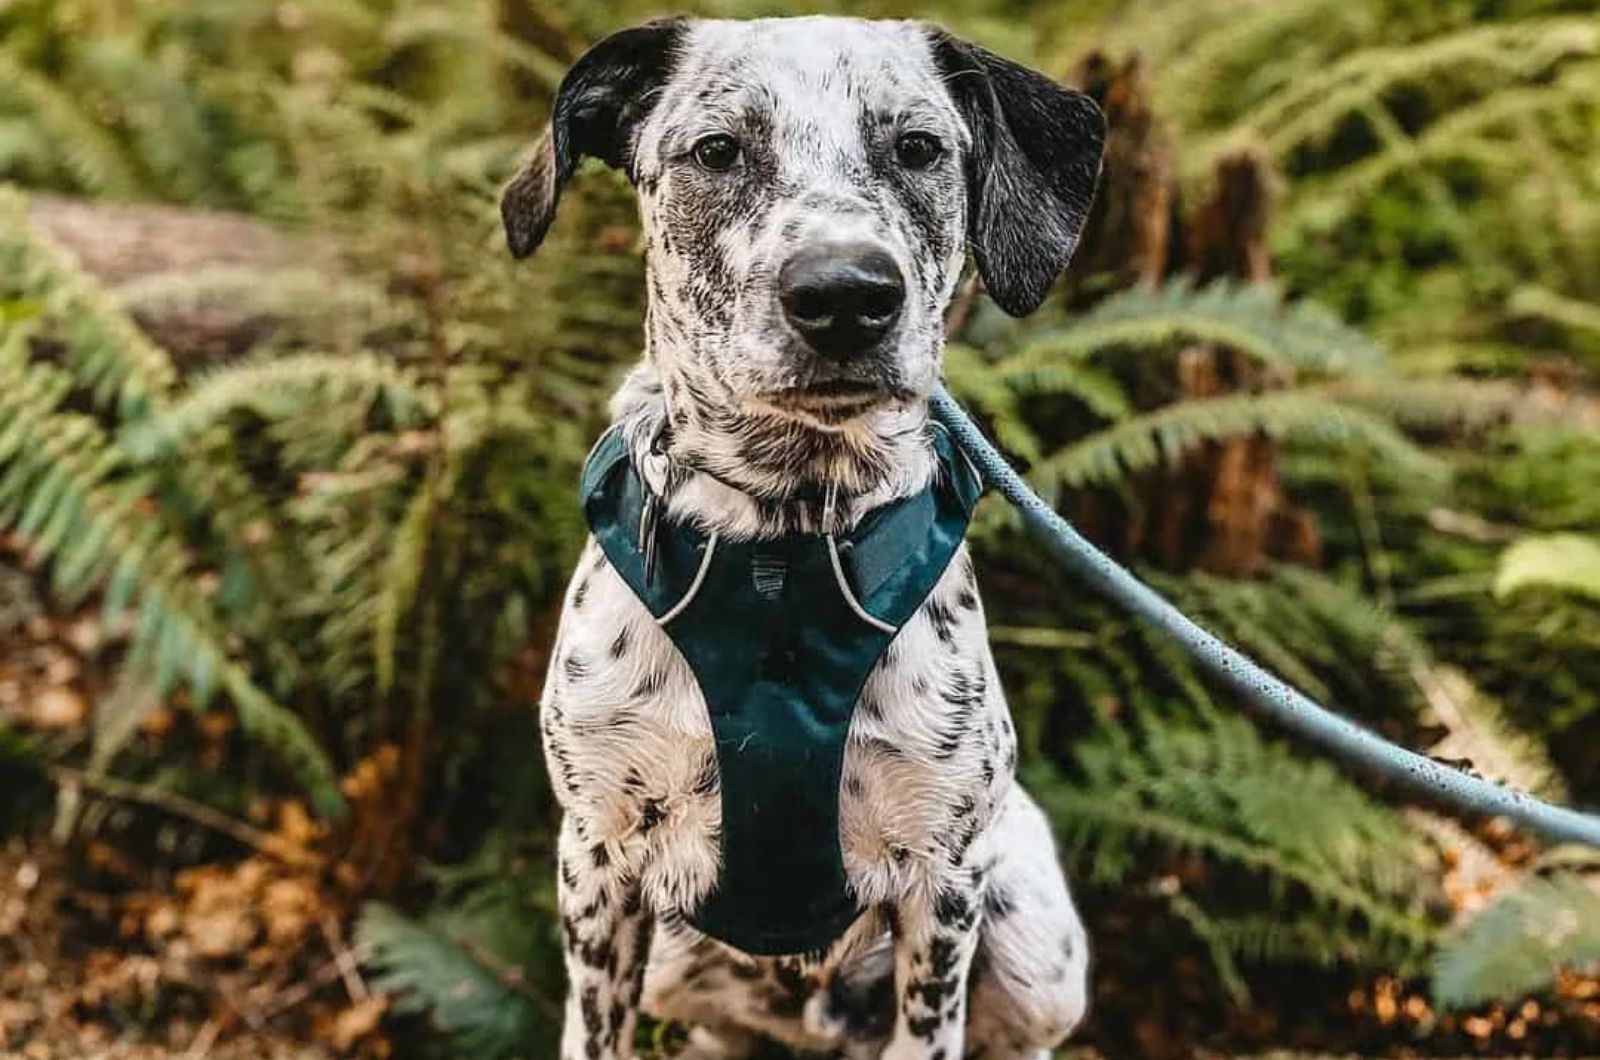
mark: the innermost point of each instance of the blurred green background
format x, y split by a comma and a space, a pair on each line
288, 449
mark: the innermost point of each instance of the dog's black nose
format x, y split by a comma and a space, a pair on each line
841, 297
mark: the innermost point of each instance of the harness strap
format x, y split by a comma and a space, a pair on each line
780, 635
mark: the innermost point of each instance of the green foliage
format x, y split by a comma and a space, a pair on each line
1441, 158
1212, 786
1251, 319
1136, 444
76, 496
1517, 945
1564, 562
484, 964
473, 1003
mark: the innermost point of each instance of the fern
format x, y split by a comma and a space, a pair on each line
108, 354
1312, 105
78, 142
1519, 944
271, 388
1167, 434
1215, 787
1249, 318
1436, 404
436, 25
1463, 134
1548, 305
66, 488
168, 128
426, 970
975, 383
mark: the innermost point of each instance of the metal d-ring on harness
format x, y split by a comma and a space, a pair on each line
1275, 699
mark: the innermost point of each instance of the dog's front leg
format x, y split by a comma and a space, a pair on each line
935, 934
606, 934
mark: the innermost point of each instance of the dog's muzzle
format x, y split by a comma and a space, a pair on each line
841, 298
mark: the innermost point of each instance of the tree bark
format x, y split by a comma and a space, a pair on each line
1222, 508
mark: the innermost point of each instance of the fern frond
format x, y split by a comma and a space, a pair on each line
1205, 929
427, 971
78, 141
1519, 944
106, 352
1250, 318
1100, 391
1477, 730
439, 26
402, 574
68, 489
1167, 434
1439, 403
168, 129
974, 382
1278, 939
1216, 787
276, 387
1311, 106
1462, 134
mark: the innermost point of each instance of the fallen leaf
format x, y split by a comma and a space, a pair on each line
58, 708
357, 1022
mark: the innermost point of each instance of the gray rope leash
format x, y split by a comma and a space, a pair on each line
1342, 738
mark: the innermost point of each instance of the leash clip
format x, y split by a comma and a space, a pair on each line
649, 518
654, 467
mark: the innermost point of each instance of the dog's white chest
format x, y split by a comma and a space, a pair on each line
629, 743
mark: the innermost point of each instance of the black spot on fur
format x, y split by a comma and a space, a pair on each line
589, 1006
650, 682
925, 1027
953, 909
942, 955
706, 777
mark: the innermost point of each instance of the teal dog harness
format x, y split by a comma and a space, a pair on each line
781, 635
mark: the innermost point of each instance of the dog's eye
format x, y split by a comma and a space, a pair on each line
917, 150
716, 153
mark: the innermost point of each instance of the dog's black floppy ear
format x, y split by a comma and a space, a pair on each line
600, 102
1031, 173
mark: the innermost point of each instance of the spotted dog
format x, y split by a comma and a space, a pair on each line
810, 191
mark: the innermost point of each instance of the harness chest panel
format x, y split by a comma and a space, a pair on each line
780, 634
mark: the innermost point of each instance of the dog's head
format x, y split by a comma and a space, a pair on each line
810, 188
